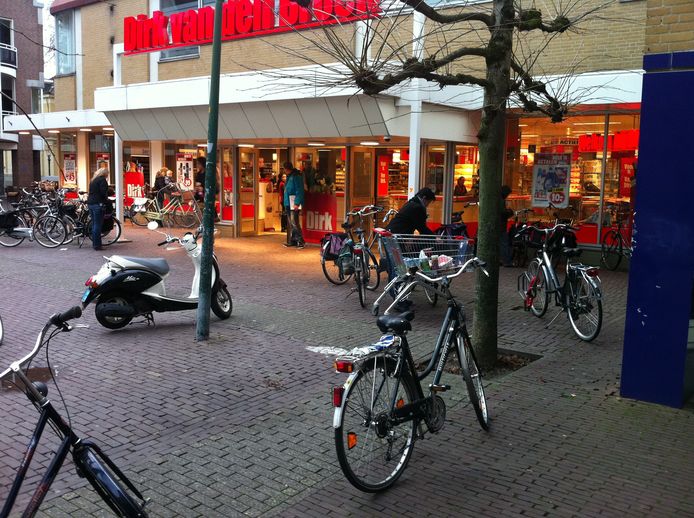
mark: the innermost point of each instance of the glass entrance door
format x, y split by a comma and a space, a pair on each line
362, 176
248, 190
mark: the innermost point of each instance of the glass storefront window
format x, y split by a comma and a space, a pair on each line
599, 169
435, 160
100, 148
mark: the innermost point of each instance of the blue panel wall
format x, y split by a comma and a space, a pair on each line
662, 267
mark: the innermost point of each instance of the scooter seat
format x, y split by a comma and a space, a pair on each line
156, 264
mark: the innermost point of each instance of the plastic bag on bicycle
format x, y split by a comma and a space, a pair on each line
335, 242
344, 258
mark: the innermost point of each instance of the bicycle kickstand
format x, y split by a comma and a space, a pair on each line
555, 317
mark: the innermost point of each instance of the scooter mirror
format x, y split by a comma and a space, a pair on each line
153, 225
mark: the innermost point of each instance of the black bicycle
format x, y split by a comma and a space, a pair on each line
380, 409
90, 461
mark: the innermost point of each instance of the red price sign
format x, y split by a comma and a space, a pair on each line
557, 198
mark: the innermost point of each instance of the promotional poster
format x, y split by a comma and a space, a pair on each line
551, 179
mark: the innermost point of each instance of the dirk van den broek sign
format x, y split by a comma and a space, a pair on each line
240, 19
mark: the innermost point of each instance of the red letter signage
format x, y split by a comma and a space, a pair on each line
240, 19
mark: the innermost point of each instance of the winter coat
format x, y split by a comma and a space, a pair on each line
411, 216
294, 187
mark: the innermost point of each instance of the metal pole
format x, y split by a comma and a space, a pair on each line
203, 315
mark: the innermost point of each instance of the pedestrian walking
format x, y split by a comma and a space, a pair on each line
293, 202
98, 197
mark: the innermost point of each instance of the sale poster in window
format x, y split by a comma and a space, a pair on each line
184, 170
551, 180
69, 170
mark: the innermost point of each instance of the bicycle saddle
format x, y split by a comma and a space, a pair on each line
571, 252
397, 323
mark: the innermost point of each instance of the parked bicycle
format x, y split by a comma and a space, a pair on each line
181, 209
580, 294
617, 243
337, 249
456, 227
380, 410
75, 214
114, 488
48, 231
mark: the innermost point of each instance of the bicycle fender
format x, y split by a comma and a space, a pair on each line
337, 416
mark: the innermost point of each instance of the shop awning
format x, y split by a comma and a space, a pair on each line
65, 120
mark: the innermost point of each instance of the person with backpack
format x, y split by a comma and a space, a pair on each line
293, 201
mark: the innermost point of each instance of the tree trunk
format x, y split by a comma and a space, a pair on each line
492, 140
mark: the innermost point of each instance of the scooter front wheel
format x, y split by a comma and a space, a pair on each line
221, 303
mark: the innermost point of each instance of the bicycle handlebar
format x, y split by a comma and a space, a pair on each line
475, 262
545, 230
58, 320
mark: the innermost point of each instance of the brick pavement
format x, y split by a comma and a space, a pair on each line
241, 425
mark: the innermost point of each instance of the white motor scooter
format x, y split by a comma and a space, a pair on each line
127, 287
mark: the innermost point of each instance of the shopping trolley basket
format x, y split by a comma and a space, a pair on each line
432, 255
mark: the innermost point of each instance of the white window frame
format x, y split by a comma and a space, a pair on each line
65, 59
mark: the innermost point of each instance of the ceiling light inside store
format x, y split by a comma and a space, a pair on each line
202, 145
246, 145
530, 136
522, 125
593, 123
24, 132
53, 131
316, 144
369, 143
109, 129
85, 129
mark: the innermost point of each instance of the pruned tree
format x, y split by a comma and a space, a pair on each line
493, 46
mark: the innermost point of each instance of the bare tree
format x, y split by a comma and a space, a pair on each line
493, 46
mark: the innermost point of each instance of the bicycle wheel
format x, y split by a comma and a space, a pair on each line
611, 250
372, 448
331, 268
373, 278
585, 309
49, 231
9, 237
70, 227
537, 288
359, 278
473, 380
184, 215
108, 482
111, 236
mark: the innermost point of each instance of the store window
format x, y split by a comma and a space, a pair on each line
574, 167
435, 164
68, 157
100, 148
65, 42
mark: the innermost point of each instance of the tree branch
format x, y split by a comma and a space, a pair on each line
422, 7
525, 86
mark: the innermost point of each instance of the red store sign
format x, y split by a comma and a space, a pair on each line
240, 19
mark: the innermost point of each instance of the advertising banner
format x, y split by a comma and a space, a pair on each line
320, 215
184, 170
384, 163
551, 179
69, 170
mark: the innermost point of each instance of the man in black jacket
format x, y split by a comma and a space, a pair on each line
411, 216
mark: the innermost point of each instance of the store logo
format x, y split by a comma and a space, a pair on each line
240, 19
319, 221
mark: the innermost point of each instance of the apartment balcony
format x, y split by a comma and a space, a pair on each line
8, 55
4, 135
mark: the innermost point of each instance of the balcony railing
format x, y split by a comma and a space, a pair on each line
8, 55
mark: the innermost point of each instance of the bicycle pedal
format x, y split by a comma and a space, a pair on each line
439, 388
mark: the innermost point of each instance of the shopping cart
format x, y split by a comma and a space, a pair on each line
432, 256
